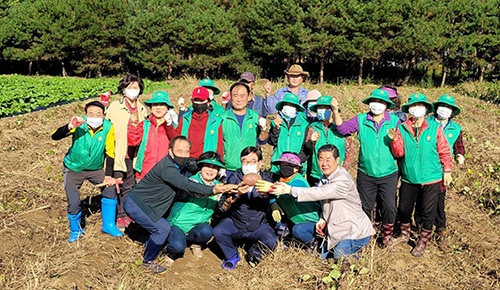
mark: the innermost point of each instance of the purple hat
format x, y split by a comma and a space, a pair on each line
247, 76
290, 158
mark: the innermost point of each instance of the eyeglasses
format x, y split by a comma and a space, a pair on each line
251, 162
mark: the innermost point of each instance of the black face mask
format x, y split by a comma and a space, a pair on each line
287, 170
181, 161
200, 108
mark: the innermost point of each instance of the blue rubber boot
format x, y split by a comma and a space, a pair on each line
75, 230
108, 211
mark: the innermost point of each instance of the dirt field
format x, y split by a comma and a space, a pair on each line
35, 254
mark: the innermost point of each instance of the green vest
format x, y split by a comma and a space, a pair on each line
375, 157
218, 110
420, 163
142, 147
451, 131
330, 136
299, 212
211, 132
196, 210
290, 140
87, 152
236, 139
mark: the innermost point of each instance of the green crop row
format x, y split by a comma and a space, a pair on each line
22, 94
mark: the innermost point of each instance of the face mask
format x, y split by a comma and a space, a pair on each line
443, 113
287, 170
249, 168
132, 93
417, 112
200, 108
289, 111
181, 161
377, 108
94, 122
324, 114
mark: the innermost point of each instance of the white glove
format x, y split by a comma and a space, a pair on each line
263, 124
174, 116
280, 188
168, 119
315, 136
182, 103
460, 159
447, 179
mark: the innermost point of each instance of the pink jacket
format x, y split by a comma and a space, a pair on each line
341, 207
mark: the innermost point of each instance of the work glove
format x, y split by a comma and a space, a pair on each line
75, 122
276, 212
460, 159
263, 124
315, 136
392, 134
182, 103
280, 188
447, 178
168, 119
226, 96
320, 226
278, 121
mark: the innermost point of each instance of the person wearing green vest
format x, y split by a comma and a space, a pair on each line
215, 108
445, 109
93, 144
324, 131
241, 128
151, 134
302, 215
189, 218
425, 163
288, 131
377, 169
201, 126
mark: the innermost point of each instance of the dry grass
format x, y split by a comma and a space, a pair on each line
34, 228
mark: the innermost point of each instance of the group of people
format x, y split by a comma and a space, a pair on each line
189, 176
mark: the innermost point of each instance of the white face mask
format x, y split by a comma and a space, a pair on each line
289, 111
94, 122
444, 113
377, 108
417, 112
249, 168
132, 93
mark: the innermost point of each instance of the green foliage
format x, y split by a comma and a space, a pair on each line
23, 94
488, 91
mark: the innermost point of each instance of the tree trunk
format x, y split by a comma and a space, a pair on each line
482, 68
322, 67
443, 78
360, 73
64, 74
169, 71
30, 66
410, 68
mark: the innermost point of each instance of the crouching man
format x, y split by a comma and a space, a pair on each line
93, 143
348, 229
152, 197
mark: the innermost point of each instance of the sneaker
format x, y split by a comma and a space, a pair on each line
168, 261
196, 250
154, 267
252, 260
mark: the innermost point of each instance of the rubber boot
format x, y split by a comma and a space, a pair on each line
405, 232
441, 240
75, 230
387, 230
108, 210
423, 238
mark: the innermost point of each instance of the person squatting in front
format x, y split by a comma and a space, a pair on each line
348, 228
246, 220
93, 143
190, 216
425, 163
152, 197
302, 216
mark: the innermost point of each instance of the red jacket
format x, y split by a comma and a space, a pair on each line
157, 147
196, 133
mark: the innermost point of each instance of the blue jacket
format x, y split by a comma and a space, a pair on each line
249, 212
